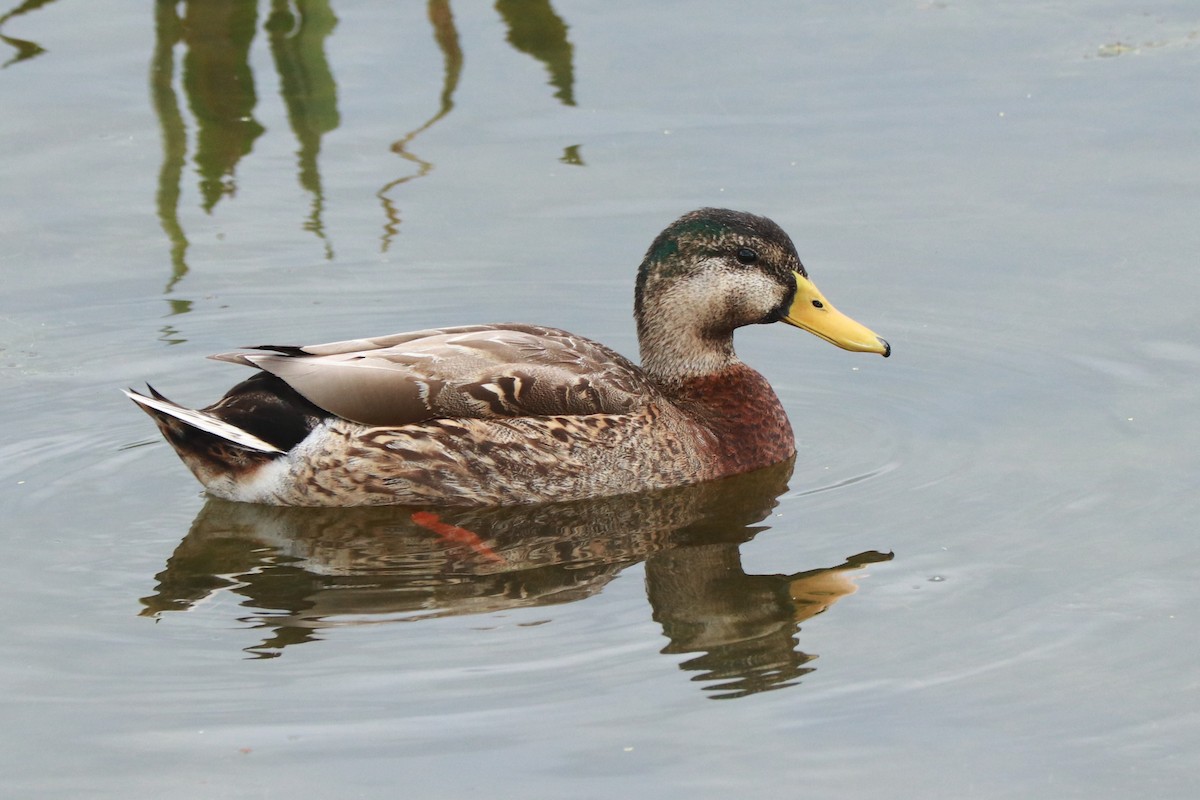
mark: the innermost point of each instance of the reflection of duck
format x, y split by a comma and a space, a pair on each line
503, 414
305, 570
742, 625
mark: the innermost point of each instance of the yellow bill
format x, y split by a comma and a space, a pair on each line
812, 312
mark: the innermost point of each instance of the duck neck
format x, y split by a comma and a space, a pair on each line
697, 369
673, 352
673, 357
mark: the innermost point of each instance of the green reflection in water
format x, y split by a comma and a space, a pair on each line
25, 50
168, 31
534, 29
298, 29
304, 571
213, 71
219, 85
446, 35
169, 334
572, 156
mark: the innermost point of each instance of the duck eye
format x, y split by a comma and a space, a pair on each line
746, 256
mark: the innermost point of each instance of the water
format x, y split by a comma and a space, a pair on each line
978, 579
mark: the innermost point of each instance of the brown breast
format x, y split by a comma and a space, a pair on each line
742, 411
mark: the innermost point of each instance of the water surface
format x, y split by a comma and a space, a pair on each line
974, 581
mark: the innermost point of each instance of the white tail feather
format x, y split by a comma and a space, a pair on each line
204, 422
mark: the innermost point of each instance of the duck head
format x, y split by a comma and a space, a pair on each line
713, 271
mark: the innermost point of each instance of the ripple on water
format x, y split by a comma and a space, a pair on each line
949, 406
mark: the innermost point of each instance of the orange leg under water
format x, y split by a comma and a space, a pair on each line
454, 535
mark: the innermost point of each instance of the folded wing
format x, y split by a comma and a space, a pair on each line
477, 371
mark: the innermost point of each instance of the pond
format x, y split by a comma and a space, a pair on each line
978, 578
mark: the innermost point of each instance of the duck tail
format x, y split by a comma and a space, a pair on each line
183, 426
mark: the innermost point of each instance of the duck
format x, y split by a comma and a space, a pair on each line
514, 413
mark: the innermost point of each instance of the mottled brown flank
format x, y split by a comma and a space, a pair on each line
703, 429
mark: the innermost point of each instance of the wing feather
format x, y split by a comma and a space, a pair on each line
477, 371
